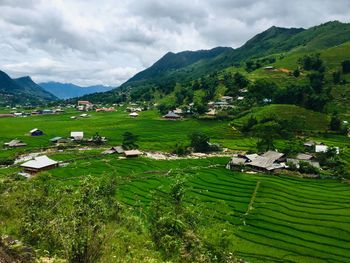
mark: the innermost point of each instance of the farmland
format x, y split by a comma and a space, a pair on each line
272, 218
289, 219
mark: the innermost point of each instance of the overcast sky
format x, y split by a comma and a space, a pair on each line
107, 41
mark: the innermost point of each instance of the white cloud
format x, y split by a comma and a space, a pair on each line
106, 42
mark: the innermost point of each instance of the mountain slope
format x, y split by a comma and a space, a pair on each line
178, 68
69, 90
22, 90
172, 61
30, 87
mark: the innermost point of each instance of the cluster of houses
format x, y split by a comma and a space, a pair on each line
272, 161
120, 150
33, 113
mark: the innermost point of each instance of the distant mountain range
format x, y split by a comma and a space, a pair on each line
22, 91
69, 90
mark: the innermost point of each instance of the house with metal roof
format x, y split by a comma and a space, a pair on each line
39, 164
132, 153
171, 115
15, 143
36, 132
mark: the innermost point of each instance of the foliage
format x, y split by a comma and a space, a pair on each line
129, 141
307, 168
335, 123
67, 220
200, 142
346, 66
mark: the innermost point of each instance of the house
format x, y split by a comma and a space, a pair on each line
212, 112
227, 99
171, 115
309, 144
114, 149
15, 143
103, 109
236, 162
304, 156
221, 104
321, 148
55, 139
133, 114
47, 111
77, 135
296, 162
268, 161
132, 153
6, 115
36, 132
240, 98
38, 164
178, 111
269, 68
84, 105
84, 115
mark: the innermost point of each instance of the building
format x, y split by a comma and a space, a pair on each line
114, 149
85, 105
132, 153
178, 111
227, 99
321, 148
171, 115
269, 68
38, 164
36, 132
77, 135
55, 139
133, 114
15, 143
212, 112
6, 115
103, 109
269, 161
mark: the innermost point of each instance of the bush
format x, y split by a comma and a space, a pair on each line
307, 168
200, 142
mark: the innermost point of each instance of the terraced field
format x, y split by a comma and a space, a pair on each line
274, 218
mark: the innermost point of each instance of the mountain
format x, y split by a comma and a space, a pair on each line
187, 66
22, 90
172, 61
69, 90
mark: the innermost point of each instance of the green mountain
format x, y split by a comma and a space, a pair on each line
22, 91
269, 47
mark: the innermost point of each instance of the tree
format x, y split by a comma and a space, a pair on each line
296, 73
335, 123
72, 221
336, 77
346, 66
129, 141
200, 142
249, 124
97, 139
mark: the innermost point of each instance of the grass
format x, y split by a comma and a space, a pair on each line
292, 220
313, 121
154, 132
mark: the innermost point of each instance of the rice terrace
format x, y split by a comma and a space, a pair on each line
216, 155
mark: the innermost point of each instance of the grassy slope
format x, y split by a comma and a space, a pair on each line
314, 121
293, 220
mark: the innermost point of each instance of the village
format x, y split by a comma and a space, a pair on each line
271, 162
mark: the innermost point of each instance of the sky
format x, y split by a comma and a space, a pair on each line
90, 42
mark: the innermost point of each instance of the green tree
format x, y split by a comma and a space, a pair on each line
346, 66
296, 73
200, 142
335, 123
336, 77
129, 141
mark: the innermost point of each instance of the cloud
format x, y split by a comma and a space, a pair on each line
106, 42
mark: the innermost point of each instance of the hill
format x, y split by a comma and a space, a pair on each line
69, 90
268, 47
22, 91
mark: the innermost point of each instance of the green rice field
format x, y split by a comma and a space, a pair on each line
290, 219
